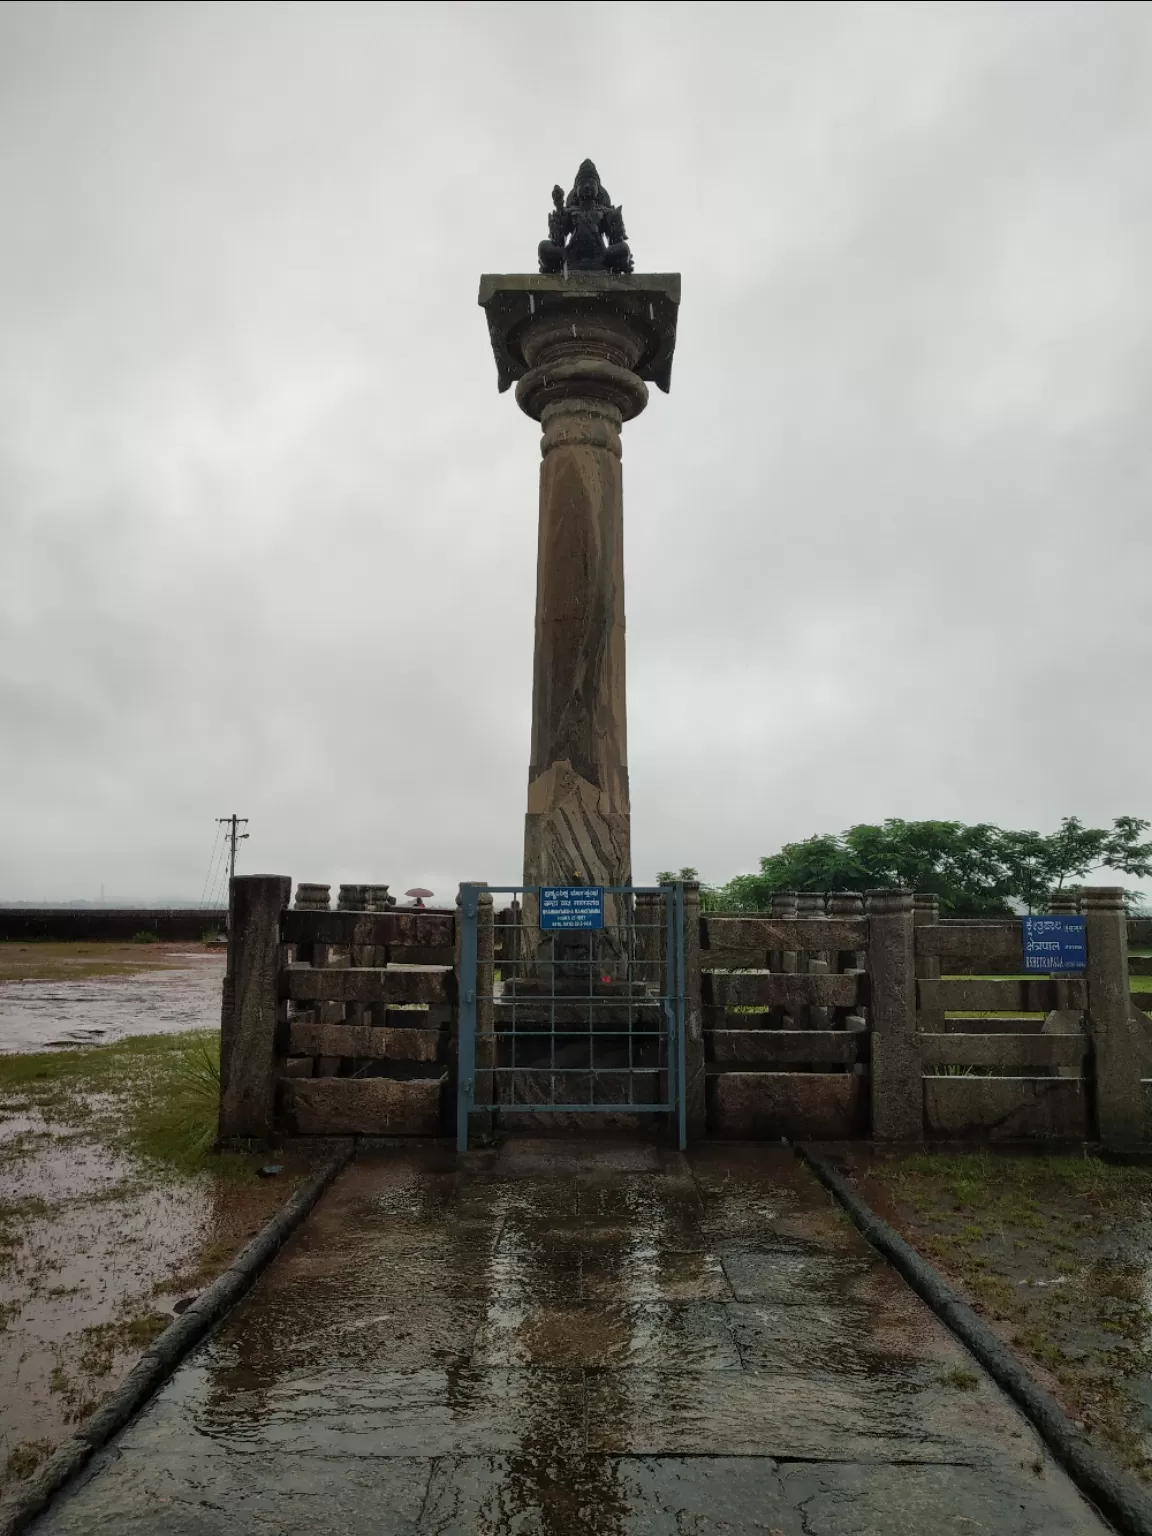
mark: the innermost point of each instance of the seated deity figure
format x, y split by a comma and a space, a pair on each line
585, 232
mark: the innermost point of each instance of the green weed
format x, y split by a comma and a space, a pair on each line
155, 1096
959, 1378
23, 1459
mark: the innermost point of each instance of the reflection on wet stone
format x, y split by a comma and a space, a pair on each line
567, 1340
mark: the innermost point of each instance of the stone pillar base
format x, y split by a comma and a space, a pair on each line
573, 835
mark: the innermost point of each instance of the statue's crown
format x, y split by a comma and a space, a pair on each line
588, 172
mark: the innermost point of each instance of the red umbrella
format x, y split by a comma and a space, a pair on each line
419, 892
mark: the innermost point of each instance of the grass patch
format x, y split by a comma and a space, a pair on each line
22, 1460
960, 1379
1051, 1249
155, 1096
982, 1180
103, 1342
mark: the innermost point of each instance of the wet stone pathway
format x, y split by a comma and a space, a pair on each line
573, 1338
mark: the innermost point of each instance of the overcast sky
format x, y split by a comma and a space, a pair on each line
268, 529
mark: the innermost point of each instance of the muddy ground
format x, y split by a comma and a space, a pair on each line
1055, 1253
112, 1210
55, 996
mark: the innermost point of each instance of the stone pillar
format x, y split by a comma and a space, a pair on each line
848, 904
784, 906
897, 1092
251, 1006
581, 347
483, 1056
810, 904
510, 925
351, 898
311, 897
693, 1085
1116, 1032
926, 914
648, 924
1063, 1019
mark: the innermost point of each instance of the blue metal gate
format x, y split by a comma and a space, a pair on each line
571, 1001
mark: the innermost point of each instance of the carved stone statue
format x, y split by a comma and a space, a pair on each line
585, 232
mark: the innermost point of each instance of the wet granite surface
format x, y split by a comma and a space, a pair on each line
564, 1337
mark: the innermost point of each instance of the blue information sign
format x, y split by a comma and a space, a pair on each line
1054, 944
571, 906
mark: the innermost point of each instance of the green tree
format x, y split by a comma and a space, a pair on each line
976, 871
711, 898
670, 876
1039, 864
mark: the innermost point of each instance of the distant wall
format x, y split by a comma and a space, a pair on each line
109, 925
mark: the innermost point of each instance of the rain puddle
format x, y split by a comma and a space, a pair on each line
86, 1248
576, 1339
96, 1250
181, 994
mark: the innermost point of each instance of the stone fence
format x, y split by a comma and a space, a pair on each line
835, 1017
829, 1018
336, 1022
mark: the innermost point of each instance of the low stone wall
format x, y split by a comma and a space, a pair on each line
109, 925
828, 1019
782, 999
336, 1023
1072, 1072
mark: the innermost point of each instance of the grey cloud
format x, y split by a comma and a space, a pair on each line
269, 531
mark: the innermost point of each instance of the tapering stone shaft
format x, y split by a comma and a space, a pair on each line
577, 824
580, 349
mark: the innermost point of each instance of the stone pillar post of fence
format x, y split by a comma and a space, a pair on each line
810, 904
1116, 1032
355, 898
926, 914
251, 1007
848, 904
897, 1093
1066, 1018
510, 947
695, 1106
647, 942
784, 907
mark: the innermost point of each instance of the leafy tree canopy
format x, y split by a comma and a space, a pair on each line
977, 871
670, 876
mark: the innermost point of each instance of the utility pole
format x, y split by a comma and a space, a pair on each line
234, 836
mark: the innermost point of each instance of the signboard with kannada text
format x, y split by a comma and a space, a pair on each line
1054, 943
571, 906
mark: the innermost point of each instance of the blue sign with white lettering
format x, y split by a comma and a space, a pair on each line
571, 906
1054, 944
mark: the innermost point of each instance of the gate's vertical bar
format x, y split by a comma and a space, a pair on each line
692, 1083
484, 1044
667, 984
465, 1093
681, 1020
